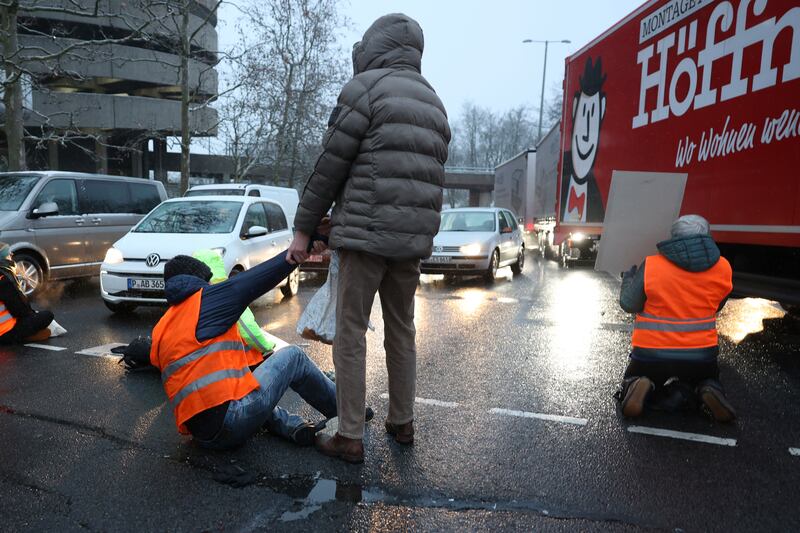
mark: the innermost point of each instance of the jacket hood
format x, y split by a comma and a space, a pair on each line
393, 41
180, 287
213, 261
695, 253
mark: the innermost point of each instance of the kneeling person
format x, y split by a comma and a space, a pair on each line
676, 295
205, 364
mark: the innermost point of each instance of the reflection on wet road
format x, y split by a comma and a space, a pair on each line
513, 413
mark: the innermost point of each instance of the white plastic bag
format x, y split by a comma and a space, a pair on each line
56, 330
318, 321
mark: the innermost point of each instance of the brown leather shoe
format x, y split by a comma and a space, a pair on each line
350, 450
402, 433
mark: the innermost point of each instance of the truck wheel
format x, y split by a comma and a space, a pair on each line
516, 268
30, 273
494, 264
122, 308
290, 289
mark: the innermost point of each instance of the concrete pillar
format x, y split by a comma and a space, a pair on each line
159, 149
136, 164
101, 152
145, 159
52, 155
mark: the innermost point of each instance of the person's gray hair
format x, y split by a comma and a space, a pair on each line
689, 225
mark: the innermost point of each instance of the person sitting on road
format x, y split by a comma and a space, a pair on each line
205, 365
249, 329
18, 321
676, 296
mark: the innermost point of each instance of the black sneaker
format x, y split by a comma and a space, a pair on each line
715, 402
369, 414
304, 435
635, 396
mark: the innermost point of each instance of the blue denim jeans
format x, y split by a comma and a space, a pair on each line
288, 367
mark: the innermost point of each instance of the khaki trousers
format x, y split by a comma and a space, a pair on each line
361, 275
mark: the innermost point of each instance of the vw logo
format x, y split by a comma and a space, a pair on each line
152, 260
437, 249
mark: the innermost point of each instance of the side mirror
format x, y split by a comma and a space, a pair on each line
46, 209
507, 230
255, 231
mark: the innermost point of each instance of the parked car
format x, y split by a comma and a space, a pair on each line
476, 241
60, 224
245, 230
287, 197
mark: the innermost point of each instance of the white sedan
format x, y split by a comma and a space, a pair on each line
244, 230
476, 240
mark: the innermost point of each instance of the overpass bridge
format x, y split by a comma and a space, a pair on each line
478, 181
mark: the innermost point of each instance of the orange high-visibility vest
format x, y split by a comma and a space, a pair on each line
198, 375
681, 307
7, 321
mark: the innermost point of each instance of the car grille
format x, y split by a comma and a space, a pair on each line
450, 249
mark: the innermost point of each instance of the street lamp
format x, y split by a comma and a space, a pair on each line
544, 74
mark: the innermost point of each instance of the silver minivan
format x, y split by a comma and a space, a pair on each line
60, 224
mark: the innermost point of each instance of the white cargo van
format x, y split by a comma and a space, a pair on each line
285, 196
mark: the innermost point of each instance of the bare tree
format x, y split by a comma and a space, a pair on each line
294, 66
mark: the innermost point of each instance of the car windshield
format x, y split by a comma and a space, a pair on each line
215, 192
191, 217
14, 190
467, 221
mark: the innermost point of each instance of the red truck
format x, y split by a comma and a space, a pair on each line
710, 88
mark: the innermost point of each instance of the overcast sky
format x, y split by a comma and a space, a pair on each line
473, 48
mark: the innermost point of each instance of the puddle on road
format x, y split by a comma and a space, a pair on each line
329, 490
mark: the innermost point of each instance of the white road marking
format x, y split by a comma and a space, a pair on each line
427, 401
694, 437
540, 416
104, 350
795, 451
45, 347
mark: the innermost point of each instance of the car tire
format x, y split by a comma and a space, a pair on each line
122, 308
29, 273
292, 286
517, 267
494, 264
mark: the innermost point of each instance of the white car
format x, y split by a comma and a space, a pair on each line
245, 230
476, 240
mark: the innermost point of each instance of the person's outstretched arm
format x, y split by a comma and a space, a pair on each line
222, 304
347, 127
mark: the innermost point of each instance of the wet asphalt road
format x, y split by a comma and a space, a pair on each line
83, 445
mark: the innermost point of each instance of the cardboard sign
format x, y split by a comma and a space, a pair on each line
641, 208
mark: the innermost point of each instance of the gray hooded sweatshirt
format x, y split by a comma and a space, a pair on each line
384, 151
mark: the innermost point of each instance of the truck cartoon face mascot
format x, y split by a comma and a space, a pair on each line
580, 198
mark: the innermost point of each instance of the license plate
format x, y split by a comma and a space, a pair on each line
439, 259
146, 284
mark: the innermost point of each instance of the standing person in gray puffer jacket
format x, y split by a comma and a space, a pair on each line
383, 166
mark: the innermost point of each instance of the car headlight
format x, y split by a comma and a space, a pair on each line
113, 257
577, 237
471, 249
220, 250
